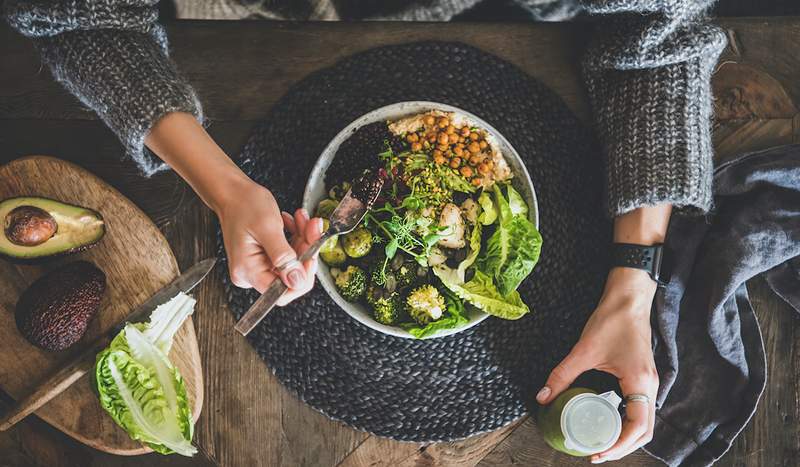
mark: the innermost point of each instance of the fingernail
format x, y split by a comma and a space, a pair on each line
304, 213
294, 279
543, 394
320, 225
598, 460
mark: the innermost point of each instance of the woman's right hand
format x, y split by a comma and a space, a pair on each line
252, 225
253, 232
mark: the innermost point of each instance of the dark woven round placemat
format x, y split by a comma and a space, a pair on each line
478, 380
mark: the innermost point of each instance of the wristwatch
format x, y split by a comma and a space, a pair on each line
653, 258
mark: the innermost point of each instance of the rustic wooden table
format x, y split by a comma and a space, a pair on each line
240, 70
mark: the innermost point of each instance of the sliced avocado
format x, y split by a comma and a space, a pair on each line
56, 309
35, 228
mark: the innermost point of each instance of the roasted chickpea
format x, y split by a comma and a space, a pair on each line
453, 138
477, 181
464, 131
475, 159
455, 162
474, 136
458, 151
429, 120
431, 137
412, 138
443, 122
437, 152
417, 146
483, 144
466, 172
461, 139
450, 129
474, 147
442, 147
443, 138
440, 160
484, 168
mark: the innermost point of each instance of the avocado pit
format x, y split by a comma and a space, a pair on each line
29, 226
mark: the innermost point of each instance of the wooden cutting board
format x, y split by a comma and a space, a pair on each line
137, 261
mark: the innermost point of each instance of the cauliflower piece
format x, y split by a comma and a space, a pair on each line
454, 223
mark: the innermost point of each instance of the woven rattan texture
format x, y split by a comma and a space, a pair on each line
478, 380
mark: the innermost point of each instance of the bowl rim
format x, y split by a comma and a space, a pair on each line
321, 165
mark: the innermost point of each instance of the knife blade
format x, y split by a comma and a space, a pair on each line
76, 367
184, 283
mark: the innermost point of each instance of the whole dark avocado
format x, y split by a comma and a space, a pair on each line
56, 309
36, 228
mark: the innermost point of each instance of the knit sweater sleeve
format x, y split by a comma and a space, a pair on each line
648, 74
112, 55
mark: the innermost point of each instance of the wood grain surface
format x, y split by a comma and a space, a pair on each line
240, 70
137, 262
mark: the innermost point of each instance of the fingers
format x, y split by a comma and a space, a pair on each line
272, 239
637, 427
250, 268
292, 294
301, 218
288, 223
314, 230
563, 375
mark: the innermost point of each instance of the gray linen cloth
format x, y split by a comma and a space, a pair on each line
708, 346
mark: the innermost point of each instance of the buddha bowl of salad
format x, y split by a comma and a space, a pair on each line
453, 233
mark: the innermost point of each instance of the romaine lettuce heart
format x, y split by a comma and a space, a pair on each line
140, 388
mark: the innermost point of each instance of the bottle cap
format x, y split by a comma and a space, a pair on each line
591, 422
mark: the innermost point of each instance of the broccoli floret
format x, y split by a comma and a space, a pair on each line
406, 274
357, 243
425, 304
386, 309
352, 283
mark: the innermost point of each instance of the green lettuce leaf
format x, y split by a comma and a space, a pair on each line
481, 293
513, 249
489, 214
474, 250
140, 388
516, 203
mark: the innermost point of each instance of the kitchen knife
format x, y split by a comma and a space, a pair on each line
77, 367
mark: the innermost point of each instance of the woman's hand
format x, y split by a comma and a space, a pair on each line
252, 224
253, 233
616, 340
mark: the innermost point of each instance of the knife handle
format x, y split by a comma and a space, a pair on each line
266, 302
53, 385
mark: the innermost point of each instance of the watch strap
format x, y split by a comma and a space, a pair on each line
649, 258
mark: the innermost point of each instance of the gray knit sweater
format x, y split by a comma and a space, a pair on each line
647, 72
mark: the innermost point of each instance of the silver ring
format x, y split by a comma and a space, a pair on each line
638, 398
288, 265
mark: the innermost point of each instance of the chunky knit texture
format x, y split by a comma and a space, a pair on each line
648, 74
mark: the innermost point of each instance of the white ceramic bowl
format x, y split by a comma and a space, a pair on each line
316, 192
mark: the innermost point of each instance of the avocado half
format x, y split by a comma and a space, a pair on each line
36, 228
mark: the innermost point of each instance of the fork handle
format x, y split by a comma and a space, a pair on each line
266, 302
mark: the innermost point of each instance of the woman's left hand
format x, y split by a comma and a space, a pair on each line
617, 340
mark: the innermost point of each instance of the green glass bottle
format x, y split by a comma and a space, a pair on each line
580, 422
